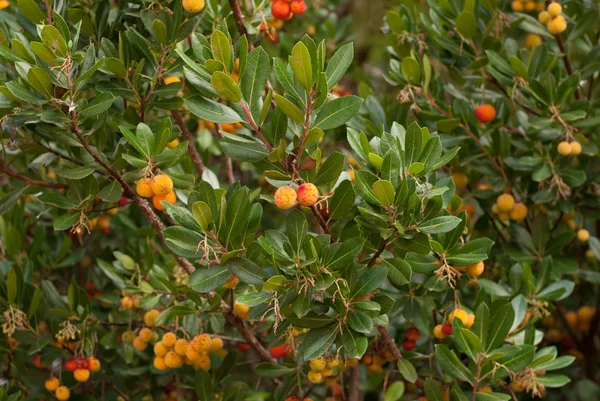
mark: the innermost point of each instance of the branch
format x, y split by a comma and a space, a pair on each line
322, 222
31, 181
251, 339
389, 341
354, 391
186, 135
238, 16
255, 127
498, 85
378, 254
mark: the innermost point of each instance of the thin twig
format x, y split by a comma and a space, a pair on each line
186, 135
31, 181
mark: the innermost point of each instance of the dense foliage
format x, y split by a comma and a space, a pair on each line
213, 201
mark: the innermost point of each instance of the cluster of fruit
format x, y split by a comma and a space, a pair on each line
569, 148
410, 338
444, 330
307, 195
508, 209
322, 368
172, 352
140, 340
285, 9
160, 188
583, 235
377, 358
553, 19
130, 301
578, 321
527, 6
81, 368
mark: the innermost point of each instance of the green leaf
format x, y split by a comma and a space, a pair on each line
301, 64
221, 48
210, 110
407, 370
338, 64
202, 214
254, 80
274, 284
439, 225
242, 149
359, 321
433, 390
41, 81
289, 109
411, 70
342, 200
395, 391
370, 280
451, 365
268, 369
10, 199
209, 278
65, 221
346, 253
338, 112
331, 169
159, 30
248, 271
399, 271
54, 40
492, 396
318, 341
183, 242
31, 10
226, 87
76, 173
355, 344
384, 192
11, 285
499, 327
99, 105
466, 24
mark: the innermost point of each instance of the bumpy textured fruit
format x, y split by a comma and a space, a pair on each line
438, 332
475, 270
298, 6
485, 113
150, 317
460, 180
94, 364
202, 343
170, 197
144, 188
169, 339
408, 345
285, 197
544, 17
505, 202
127, 302
332, 362
159, 363
318, 364
81, 375
557, 25
52, 384
139, 344
470, 321
145, 335
180, 347
193, 6
447, 329
160, 349
583, 235
232, 282
281, 9
517, 6
586, 313
173, 144
458, 314
307, 194
128, 336
62, 393
191, 352
162, 184
315, 377
554, 9
575, 148
564, 148
518, 212
173, 361
533, 40
413, 334
216, 344
203, 362
240, 309
280, 351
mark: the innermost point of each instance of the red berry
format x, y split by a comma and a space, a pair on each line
122, 201
485, 113
409, 344
298, 6
71, 364
413, 334
82, 363
280, 351
243, 347
447, 329
281, 9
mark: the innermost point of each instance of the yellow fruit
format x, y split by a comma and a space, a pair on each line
169, 339
352, 362
470, 321
128, 336
459, 314
94, 364
575, 148
180, 347
485, 389
203, 362
505, 202
81, 375
191, 352
52, 384
160, 349
150, 317
62, 393
475, 270
571, 318
285, 197
557, 25
139, 344
162, 184
517, 6
326, 372
554, 9
530, 6
216, 344
127, 303
460, 180
171, 79
144, 188
240, 309
495, 208
318, 364
589, 255
315, 377
544, 17
564, 148
586, 313
173, 361
159, 363
232, 282
583, 235
307, 194
173, 144
145, 335
532, 40
438, 333
332, 362
5, 4
193, 6
170, 197
518, 212
202, 343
